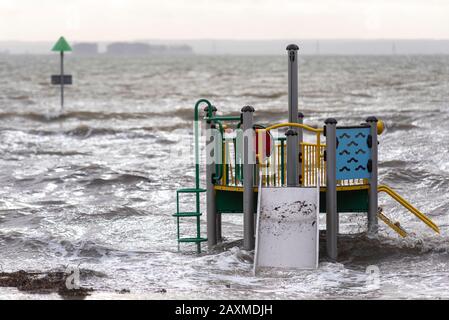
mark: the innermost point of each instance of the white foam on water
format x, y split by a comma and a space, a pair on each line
112, 162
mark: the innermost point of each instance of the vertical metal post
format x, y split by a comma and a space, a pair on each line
293, 83
219, 236
300, 141
373, 195
292, 158
62, 81
331, 188
210, 188
197, 173
249, 160
292, 139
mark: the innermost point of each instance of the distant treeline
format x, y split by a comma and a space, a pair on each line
131, 48
241, 47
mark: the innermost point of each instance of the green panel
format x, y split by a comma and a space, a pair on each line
348, 201
231, 201
62, 45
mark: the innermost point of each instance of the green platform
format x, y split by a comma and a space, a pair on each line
348, 201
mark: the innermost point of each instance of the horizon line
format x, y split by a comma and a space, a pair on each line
241, 40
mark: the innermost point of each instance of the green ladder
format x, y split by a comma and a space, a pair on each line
197, 214
197, 190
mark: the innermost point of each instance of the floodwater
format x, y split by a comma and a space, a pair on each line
95, 186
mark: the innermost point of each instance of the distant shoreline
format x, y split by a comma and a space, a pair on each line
103, 55
269, 47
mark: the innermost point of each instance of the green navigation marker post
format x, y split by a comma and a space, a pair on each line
61, 46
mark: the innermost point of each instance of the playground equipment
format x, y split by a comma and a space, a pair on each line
248, 159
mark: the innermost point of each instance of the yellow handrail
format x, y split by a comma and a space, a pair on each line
305, 127
395, 226
408, 206
290, 124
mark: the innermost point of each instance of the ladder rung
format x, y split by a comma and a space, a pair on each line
187, 214
190, 190
196, 240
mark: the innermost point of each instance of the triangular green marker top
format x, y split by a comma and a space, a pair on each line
62, 45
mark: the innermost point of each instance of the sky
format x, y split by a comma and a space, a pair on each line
127, 20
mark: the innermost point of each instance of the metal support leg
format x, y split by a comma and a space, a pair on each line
293, 83
249, 161
210, 193
292, 158
373, 194
62, 81
331, 189
292, 138
219, 231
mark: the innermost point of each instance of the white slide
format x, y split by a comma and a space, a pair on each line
287, 235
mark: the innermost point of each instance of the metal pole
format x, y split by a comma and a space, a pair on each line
373, 195
292, 158
197, 146
62, 81
218, 219
331, 188
293, 161
300, 141
293, 83
249, 161
210, 187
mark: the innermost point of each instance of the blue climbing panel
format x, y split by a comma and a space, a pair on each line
353, 153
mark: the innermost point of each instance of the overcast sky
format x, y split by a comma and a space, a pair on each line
104, 20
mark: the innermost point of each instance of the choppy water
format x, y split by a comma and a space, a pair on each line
95, 187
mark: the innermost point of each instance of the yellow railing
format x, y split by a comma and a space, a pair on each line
311, 170
305, 127
312, 158
393, 225
409, 207
273, 169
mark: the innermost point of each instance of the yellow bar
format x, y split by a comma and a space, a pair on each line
408, 206
232, 188
395, 226
303, 152
308, 166
290, 124
313, 156
309, 156
348, 188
